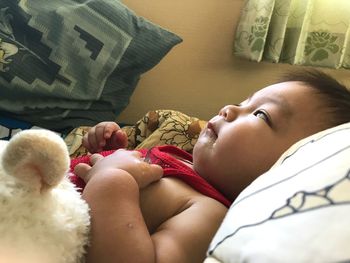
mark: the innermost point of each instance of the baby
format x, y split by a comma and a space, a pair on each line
139, 215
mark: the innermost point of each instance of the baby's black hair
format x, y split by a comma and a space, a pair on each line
336, 96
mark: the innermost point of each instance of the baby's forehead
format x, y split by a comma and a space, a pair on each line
285, 92
273, 96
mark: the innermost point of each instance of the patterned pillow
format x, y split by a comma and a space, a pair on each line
299, 211
157, 127
66, 63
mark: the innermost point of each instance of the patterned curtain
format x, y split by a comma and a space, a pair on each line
302, 32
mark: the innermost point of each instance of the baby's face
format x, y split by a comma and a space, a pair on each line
243, 141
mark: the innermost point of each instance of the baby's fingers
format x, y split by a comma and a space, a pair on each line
102, 133
95, 158
118, 140
109, 129
91, 141
157, 171
150, 173
82, 171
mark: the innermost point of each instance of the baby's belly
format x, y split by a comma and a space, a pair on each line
163, 200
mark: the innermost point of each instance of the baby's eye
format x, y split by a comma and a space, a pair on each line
263, 115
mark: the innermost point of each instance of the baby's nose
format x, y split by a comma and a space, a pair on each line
229, 112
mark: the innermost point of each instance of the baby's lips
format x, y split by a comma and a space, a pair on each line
211, 127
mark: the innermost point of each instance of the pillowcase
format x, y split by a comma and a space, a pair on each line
298, 211
68, 63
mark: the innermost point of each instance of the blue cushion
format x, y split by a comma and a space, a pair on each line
66, 63
10, 127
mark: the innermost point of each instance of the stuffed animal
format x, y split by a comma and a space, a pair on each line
43, 218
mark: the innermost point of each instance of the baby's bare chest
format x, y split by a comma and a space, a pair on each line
165, 199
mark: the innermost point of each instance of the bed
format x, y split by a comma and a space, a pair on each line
298, 211
61, 69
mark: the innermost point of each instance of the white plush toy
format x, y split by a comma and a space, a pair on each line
42, 216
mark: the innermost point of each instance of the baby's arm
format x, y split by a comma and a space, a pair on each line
105, 136
118, 230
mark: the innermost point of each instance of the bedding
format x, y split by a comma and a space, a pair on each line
65, 63
298, 211
158, 127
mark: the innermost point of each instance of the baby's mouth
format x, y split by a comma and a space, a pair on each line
210, 131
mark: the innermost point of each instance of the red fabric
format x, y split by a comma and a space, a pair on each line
172, 166
83, 159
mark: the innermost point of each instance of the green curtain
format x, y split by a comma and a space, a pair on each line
302, 32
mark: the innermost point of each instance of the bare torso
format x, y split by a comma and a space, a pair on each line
172, 204
168, 197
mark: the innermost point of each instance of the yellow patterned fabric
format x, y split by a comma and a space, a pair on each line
157, 127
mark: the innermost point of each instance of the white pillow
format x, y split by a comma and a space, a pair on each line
298, 211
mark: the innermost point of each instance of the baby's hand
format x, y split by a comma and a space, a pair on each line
129, 161
105, 136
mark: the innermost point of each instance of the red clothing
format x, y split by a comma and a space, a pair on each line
172, 166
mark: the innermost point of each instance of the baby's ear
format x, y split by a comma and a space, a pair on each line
39, 158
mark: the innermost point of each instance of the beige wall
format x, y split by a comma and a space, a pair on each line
200, 75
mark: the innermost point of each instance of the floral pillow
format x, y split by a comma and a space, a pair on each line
157, 127
299, 211
67, 63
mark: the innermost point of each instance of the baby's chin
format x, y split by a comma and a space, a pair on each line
207, 137
203, 146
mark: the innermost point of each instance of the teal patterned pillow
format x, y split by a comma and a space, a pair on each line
65, 63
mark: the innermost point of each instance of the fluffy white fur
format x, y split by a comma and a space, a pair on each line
42, 216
